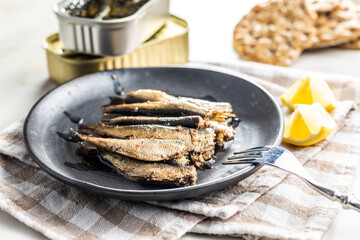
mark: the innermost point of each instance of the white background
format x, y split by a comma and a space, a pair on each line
24, 79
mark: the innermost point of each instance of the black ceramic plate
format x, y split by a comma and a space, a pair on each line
261, 124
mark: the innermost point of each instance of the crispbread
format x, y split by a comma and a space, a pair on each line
338, 25
275, 32
324, 5
351, 45
355, 44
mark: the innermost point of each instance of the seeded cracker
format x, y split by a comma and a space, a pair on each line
356, 43
275, 32
324, 5
351, 45
337, 26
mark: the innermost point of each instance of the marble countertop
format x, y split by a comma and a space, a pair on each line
24, 77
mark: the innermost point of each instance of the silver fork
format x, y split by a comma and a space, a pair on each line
282, 158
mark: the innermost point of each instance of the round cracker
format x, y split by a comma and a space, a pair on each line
275, 32
338, 25
351, 45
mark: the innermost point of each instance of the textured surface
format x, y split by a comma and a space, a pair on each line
355, 44
275, 32
338, 25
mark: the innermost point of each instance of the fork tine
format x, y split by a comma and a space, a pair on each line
252, 150
242, 161
245, 156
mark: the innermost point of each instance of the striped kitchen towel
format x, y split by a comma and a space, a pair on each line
270, 203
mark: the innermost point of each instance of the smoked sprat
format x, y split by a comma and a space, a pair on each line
159, 138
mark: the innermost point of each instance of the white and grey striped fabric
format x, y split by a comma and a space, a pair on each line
270, 203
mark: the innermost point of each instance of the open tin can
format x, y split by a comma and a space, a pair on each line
169, 45
110, 37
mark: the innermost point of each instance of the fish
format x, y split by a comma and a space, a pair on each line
88, 151
182, 161
86, 9
141, 149
199, 159
143, 95
197, 140
152, 172
168, 108
121, 9
223, 131
103, 9
185, 121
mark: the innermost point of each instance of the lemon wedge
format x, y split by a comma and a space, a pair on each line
308, 124
308, 91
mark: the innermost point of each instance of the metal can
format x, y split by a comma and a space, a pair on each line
110, 37
169, 45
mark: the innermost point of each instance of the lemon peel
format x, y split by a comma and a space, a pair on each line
307, 125
308, 91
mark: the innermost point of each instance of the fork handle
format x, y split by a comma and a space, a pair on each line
348, 201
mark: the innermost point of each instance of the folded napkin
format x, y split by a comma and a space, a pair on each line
270, 203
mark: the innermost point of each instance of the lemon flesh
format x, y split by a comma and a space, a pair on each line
308, 124
308, 91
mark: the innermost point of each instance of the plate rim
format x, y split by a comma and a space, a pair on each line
127, 192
